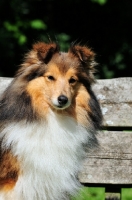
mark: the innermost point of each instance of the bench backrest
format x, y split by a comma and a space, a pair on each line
110, 166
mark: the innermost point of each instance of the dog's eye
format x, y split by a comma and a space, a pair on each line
72, 80
51, 78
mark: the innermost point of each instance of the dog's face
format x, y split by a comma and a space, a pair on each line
58, 85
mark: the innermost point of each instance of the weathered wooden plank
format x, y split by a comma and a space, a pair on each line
117, 90
4, 82
117, 114
106, 171
115, 96
112, 162
113, 145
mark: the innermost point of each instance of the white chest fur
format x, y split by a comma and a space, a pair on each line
50, 155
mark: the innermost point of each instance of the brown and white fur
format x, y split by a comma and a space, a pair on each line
48, 115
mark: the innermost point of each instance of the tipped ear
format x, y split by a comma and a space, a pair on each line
83, 53
45, 51
86, 57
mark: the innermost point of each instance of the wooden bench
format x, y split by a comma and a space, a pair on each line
110, 166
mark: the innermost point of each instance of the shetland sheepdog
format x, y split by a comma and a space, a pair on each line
48, 116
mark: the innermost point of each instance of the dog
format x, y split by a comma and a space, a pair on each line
48, 116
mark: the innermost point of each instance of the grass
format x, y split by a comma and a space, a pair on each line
90, 194
127, 194
99, 194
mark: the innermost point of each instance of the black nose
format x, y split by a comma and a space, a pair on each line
62, 100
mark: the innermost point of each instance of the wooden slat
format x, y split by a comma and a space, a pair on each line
4, 82
117, 90
117, 115
112, 162
115, 96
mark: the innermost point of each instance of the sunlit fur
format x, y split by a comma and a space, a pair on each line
48, 116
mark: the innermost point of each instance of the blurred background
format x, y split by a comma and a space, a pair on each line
104, 25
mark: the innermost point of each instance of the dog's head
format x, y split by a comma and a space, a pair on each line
55, 77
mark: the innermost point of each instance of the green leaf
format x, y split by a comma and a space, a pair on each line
101, 2
38, 24
22, 39
10, 27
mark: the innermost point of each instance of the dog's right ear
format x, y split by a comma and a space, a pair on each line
45, 51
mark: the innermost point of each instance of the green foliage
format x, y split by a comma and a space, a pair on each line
63, 40
90, 193
38, 24
126, 194
15, 31
103, 23
101, 2
99, 194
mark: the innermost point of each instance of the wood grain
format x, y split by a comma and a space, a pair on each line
115, 96
111, 163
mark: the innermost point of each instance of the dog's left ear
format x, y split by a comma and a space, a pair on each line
85, 54
86, 57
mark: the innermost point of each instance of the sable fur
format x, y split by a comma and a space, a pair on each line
9, 170
29, 117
